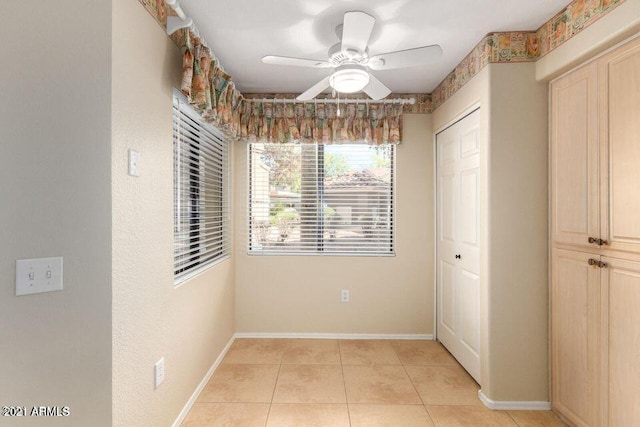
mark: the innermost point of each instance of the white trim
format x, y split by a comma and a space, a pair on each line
467, 111
475, 106
324, 101
591, 59
435, 233
334, 336
527, 405
203, 383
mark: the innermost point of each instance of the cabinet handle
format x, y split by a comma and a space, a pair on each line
598, 241
597, 263
458, 256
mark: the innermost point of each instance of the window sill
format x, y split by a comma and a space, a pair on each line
197, 271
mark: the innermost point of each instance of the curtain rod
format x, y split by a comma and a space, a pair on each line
175, 23
401, 101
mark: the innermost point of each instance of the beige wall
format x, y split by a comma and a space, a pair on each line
66, 132
517, 228
389, 295
513, 220
55, 348
188, 325
612, 28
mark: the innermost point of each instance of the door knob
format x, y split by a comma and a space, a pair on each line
458, 256
593, 240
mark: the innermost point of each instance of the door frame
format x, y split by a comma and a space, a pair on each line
458, 117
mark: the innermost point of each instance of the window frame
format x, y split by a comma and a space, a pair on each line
209, 181
320, 226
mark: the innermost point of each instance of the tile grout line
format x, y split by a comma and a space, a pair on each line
512, 419
275, 385
288, 345
414, 386
344, 383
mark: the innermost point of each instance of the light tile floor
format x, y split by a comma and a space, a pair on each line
326, 383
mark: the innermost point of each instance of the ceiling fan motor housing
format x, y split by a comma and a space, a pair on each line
351, 56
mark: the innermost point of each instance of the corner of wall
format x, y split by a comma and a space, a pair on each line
517, 266
190, 325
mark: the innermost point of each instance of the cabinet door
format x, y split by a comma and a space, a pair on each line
621, 336
619, 75
574, 157
575, 336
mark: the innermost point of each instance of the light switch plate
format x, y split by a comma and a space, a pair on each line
158, 372
134, 163
34, 276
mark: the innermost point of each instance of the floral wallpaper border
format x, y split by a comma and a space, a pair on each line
503, 47
523, 46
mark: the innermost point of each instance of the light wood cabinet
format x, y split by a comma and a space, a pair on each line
575, 157
619, 82
595, 239
575, 336
621, 342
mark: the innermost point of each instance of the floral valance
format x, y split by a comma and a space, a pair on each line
208, 88
212, 92
319, 122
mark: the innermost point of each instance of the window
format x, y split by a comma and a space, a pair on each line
321, 199
201, 192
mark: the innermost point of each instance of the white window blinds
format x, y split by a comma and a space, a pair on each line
201, 192
321, 199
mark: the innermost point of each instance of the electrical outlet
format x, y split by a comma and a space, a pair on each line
159, 372
344, 295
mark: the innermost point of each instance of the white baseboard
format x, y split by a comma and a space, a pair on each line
503, 405
202, 385
334, 336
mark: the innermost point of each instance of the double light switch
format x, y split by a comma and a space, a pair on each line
34, 276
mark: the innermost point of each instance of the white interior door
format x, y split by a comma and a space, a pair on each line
458, 241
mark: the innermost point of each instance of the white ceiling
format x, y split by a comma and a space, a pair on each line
241, 32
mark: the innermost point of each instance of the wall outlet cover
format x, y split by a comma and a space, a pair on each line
344, 295
158, 370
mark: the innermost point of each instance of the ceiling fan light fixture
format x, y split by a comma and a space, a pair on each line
349, 79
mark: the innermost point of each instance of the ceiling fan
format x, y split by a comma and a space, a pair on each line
351, 61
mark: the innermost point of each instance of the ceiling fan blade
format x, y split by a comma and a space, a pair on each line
314, 90
356, 30
405, 58
376, 89
297, 62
